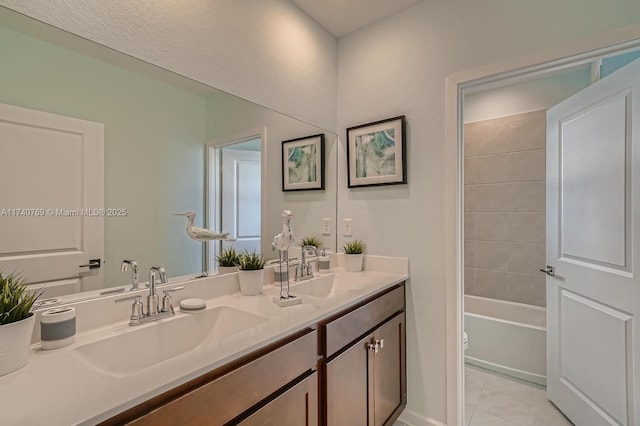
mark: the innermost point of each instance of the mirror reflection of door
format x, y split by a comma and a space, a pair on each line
52, 186
235, 183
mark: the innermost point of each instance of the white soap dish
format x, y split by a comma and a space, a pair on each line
192, 305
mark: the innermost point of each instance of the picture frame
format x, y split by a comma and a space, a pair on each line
303, 163
376, 153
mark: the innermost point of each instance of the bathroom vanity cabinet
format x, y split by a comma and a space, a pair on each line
276, 382
364, 376
348, 369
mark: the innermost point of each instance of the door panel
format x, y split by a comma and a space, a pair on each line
241, 186
593, 300
347, 381
590, 197
604, 388
388, 369
55, 173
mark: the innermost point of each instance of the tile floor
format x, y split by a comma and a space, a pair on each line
493, 399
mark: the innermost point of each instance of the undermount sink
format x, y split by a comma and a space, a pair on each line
321, 286
139, 348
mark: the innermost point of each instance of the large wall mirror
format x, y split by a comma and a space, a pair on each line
155, 126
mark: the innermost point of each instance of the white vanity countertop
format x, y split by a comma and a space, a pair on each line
61, 387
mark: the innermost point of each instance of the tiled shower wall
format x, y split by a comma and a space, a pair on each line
504, 204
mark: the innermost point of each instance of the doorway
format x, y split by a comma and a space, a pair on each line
498, 75
235, 194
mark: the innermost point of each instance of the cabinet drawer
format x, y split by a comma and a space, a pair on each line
223, 399
298, 406
345, 329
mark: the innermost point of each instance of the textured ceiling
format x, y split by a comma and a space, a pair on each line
341, 17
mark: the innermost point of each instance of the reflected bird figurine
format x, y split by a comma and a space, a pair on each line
202, 234
285, 239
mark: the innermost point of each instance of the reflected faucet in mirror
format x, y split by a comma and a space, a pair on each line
134, 272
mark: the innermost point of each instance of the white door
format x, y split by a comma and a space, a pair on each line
593, 229
241, 184
51, 174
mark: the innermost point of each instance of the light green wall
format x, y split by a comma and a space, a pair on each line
154, 146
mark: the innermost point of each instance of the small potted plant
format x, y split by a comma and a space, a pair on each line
354, 255
251, 273
311, 241
16, 321
227, 261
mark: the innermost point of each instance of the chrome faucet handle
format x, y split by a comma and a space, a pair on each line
134, 272
137, 308
167, 305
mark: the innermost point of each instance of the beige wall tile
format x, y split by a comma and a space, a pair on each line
468, 254
490, 284
539, 114
512, 118
477, 124
493, 255
529, 134
492, 140
469, 195
469, 170
526, 227
526, 258
469, 138
526, 197
524, 288
504, 207
469, 225
469, 278
526, 166
491, 168
491, 226
492, 197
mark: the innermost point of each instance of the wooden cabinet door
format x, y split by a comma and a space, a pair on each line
347, 385
296, 407
389, 388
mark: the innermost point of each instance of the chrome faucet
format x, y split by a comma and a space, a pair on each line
139, 315
304, 271
134, 272
153, 302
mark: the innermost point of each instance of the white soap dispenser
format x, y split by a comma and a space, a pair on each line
324, 263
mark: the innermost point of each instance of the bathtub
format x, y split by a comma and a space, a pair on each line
506, 337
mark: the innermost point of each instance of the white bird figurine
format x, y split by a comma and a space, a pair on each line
202, 234
285, 239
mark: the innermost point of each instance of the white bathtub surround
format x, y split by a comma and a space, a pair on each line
506, 337
14, 344
101, 319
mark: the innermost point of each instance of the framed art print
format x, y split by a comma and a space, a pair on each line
303, 163
376, 153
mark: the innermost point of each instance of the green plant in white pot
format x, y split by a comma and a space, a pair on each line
354, 255
251, 273
16, 321
227, 261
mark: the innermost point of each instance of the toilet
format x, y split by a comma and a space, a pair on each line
465, 340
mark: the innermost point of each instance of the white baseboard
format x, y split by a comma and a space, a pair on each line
410, 418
